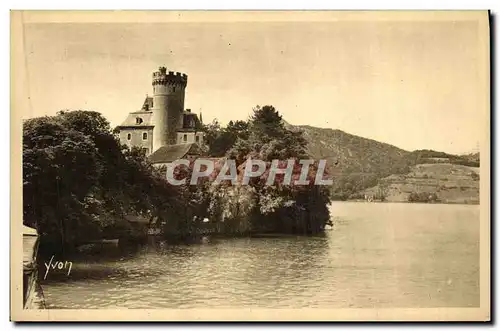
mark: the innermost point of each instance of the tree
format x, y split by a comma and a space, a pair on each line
280, 208
60, 174
423, 197
220, 139
382, 191
79, 183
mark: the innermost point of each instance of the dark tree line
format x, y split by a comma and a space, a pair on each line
259, 207
220, 139
80, 184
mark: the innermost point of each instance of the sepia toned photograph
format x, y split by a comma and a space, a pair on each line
272, 166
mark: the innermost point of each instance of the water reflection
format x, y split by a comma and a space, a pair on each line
374, 257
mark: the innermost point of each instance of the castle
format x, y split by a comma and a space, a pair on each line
162, 128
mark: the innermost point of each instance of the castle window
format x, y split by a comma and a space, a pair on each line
185, 137
145, 136
129, 136
197, 139
138, 120
173, 89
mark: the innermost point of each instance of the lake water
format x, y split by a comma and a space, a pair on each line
378, 255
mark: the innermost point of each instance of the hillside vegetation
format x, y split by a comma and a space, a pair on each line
357, 164
80, 185
443, 182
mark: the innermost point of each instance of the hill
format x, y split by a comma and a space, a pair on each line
357, 164
442, 182
354, 162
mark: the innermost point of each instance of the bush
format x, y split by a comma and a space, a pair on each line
423, 197
357, 196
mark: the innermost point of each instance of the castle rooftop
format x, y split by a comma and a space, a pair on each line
162, 77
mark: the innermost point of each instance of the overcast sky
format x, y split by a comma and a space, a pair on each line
411, 84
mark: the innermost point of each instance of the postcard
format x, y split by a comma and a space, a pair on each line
250, 166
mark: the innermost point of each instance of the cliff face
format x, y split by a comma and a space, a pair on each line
451, 183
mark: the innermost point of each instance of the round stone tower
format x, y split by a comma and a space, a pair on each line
168, 105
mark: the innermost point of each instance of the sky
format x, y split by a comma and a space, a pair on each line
412, 84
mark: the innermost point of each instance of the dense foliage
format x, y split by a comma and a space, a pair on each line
431, 156
221, 139
277, 208
357, 163
80, 184
423, 197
